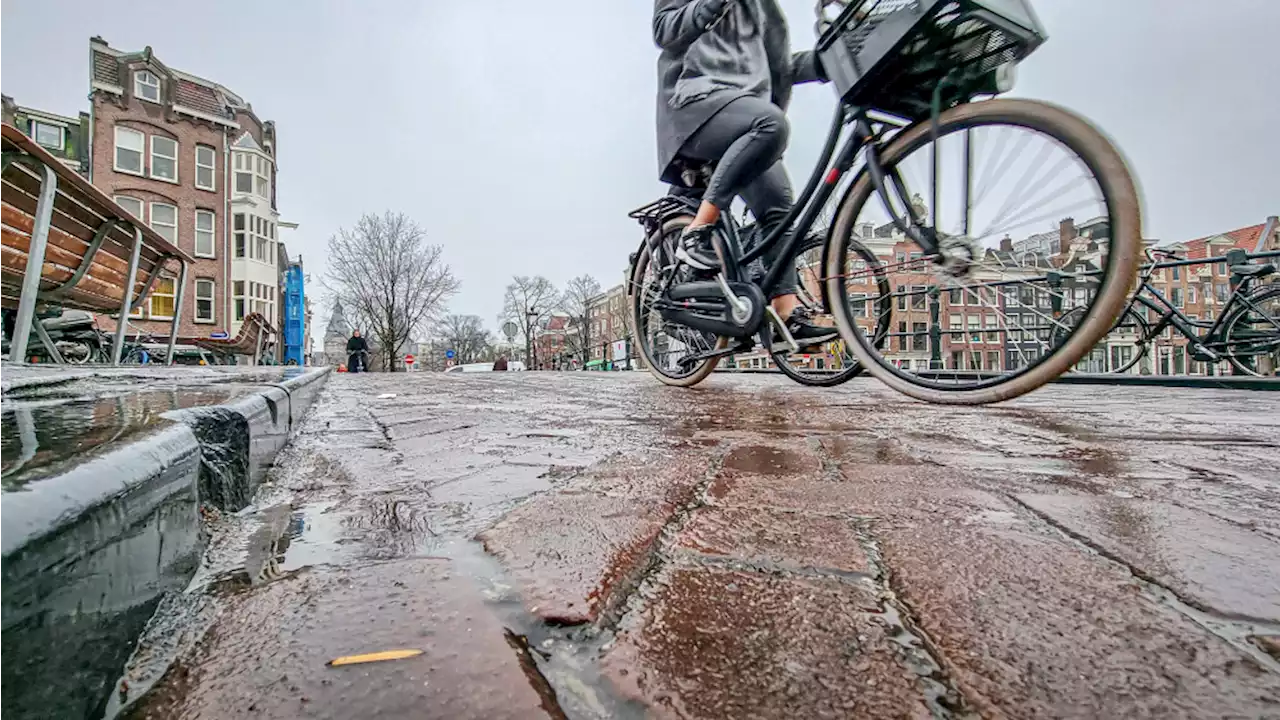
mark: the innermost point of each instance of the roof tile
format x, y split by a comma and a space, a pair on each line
199, 97
1245, 238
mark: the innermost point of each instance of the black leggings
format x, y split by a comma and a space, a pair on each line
746, 140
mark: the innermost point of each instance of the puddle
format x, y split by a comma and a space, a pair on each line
41, 438
765, 460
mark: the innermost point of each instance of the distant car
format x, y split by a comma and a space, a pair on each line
512, 366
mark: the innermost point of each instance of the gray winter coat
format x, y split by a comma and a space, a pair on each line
713, 52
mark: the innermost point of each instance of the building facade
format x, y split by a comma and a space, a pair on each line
66, 138
191, 159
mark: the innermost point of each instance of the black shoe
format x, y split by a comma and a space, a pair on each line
805, 332
695, 248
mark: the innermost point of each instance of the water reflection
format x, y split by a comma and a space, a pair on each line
41, 438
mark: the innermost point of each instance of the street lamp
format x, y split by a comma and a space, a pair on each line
531, 316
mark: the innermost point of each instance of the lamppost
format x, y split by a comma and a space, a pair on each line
531, 317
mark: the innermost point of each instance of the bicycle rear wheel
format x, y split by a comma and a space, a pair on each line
664, 346
992, 305
1121, 349
1252, 334
834, 363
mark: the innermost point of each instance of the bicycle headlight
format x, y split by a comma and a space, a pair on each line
1006, 74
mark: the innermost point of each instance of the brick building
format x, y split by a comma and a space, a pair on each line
66, 138
193, 160
607, 318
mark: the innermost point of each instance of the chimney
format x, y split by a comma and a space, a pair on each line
1006, 244
1066, 233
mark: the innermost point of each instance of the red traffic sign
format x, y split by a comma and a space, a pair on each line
408, 359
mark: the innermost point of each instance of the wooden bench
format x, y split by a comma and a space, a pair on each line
65, 243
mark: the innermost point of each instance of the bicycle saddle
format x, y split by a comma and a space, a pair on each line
1249, 270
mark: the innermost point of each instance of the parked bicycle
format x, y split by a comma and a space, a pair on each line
1245, 332
910, 74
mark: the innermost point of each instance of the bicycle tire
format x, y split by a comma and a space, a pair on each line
1230, 325
643, 257
1110, 171
1144, 336
882, 328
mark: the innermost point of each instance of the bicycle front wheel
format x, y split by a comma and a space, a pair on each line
1000, 188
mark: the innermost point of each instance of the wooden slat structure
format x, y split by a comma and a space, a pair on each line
248, 341
64, 242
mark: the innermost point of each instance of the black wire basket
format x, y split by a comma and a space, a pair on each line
891, 55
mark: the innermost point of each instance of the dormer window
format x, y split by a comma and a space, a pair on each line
146, 86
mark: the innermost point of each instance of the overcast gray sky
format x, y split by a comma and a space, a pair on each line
519, 133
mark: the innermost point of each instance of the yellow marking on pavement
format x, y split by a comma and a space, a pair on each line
373, 657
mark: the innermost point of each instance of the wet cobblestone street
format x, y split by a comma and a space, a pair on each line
596, 545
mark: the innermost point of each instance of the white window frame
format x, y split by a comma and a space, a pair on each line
250, 162
142, 152
155, 292
151, 211
139, 82
211, 232
173, 157
212, 298
239, 297
142, 207
212, 168
36, 124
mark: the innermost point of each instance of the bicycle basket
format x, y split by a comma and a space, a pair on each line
890, 55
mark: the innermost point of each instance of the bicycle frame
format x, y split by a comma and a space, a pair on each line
1209, 344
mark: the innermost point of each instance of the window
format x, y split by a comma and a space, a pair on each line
955, 296
993, 325
1221, 290
975, 361
954, 323
253, 174
50, 136
129, 151
919, 336
260, 233
1177, 274
164, 158
204, 300
238, 298
204, 233
162, 296
262, 178
975, 322
131, 204
902, 336
1177, 297
164, 220
1220, 268
206, 166
920, 295
244, 172
993, 361
858, 305
240, 237
146, 86
901, 292
957, 360
1191, 294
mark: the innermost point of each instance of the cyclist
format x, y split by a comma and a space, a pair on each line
724, 80
357, 351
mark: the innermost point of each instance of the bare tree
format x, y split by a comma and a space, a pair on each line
578, 295
527, 301
390, 280
467, 337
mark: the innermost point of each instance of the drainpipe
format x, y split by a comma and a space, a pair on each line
229, 284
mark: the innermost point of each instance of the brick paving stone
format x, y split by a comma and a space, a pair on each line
1214, 564
729, 644
1031, 625
781, 538
568, 550
265, 657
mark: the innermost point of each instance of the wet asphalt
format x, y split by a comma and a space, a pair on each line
596, 545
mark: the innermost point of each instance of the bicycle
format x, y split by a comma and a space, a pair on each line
1246, 331
910, 74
